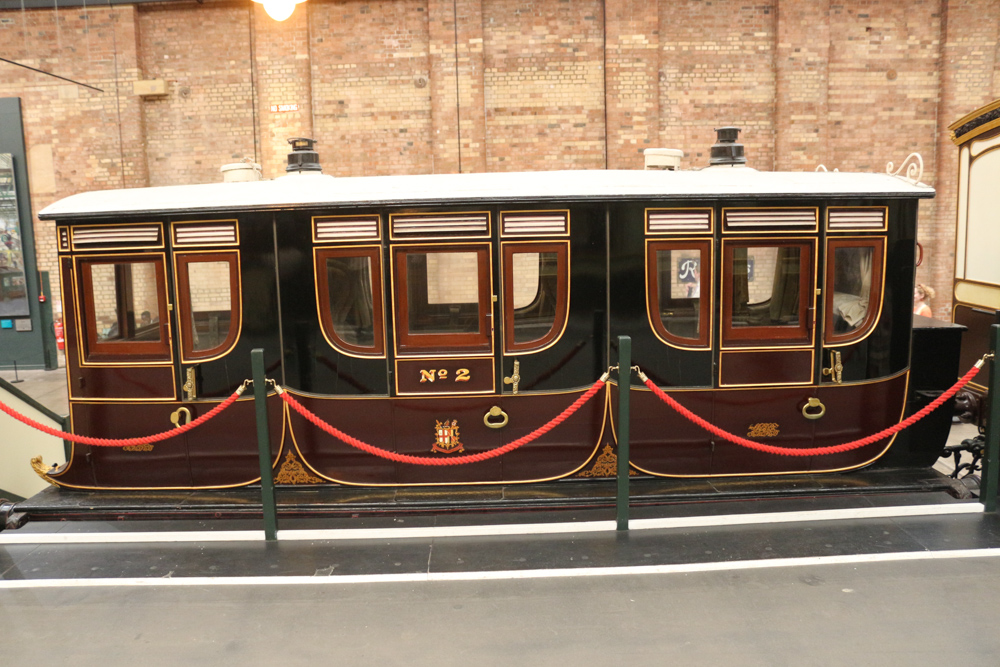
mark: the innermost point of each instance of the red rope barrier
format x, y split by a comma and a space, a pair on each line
833, 449
450, 461
124, 442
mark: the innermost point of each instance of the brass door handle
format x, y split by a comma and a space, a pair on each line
836, 368
189, 389
516, 377
495, 412
175, 416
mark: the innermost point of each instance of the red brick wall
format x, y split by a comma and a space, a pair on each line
206, 119
438, 86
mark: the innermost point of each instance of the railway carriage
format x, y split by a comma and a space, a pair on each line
444, 314
976, 295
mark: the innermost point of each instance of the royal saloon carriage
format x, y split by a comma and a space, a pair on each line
444, 315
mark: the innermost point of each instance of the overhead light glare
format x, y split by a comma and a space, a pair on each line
279, 10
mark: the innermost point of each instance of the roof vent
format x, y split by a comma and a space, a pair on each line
727, 151
302, 158
244, 170
667, 159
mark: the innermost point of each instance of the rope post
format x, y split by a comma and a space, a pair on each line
624, 389
264, 445
991, 457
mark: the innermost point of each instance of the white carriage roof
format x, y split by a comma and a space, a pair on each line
317, 190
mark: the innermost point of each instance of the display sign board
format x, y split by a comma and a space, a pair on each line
13, 288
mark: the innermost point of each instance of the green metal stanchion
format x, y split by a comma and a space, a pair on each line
264, 445
624, 388
991, 457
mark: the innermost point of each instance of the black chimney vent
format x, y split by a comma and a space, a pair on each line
302, 157
727, 151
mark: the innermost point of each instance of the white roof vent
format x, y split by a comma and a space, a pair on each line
667, 159
244, 170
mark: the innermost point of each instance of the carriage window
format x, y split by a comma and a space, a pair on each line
443, 299
349, 283
208, 290
768, 292
536, 294
123, 302
854, 287
678, 273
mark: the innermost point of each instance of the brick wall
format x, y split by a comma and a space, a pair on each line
435, 86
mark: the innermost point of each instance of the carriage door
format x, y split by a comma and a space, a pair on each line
768, 298
443, 298
855, 266
123, 348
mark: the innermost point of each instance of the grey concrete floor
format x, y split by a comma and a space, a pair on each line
884, 614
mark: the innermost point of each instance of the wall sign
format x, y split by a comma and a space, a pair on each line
13, 288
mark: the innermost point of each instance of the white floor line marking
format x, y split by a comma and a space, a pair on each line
427, 532
679, 568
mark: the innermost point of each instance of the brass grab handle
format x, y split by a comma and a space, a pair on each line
516, 377
495, 412
813, 403
175, 416
836, 368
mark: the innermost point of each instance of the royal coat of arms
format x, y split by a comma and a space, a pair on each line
446, 437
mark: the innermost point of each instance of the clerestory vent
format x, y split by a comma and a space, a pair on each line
219, 232
534, 223
117, 237
799, 219
678, 221
472, 225
857, 219
346, 228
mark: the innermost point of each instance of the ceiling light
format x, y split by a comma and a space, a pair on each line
279, 10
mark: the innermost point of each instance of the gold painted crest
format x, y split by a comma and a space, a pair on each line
446, 437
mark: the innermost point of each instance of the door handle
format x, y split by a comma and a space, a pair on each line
836, 368
516, 377
189, 387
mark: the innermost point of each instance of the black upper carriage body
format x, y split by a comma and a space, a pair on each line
416, 313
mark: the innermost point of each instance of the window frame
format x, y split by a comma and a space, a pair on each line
749, 336
875, 296
374, 255
426, 344
508, 250
184, 315
704, 245
95, 351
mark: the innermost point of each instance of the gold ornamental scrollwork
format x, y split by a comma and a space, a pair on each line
606, 465
763, 430
293, 472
